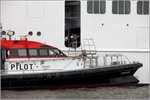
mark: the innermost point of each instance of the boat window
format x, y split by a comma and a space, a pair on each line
90, 6
58, 52
14, 52
121, 7
22, 52
33, 52
72, 24
55, 52
18, 52
43, 52
52, 53
96, 6
143, 7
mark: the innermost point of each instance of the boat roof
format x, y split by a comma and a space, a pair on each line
14, 44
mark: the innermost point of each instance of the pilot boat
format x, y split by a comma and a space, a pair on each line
26, 63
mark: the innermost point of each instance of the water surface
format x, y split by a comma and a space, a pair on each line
111, 92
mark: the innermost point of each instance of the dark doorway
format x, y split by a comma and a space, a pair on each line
72, 24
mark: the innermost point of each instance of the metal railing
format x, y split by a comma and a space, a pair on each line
91, 61
113, 59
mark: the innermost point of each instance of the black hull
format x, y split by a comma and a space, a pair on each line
112, 75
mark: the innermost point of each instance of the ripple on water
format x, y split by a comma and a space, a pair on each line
126, 92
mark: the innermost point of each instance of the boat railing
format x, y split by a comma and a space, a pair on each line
87, 52
90, 61
88, 45
113, 59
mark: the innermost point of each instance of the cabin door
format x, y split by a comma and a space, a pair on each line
72, 23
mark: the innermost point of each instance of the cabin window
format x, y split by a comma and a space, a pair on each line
52, 53
43, 52
121, 7
55, 52
14, 52
58, 52
18, 52
96, 6
33, 52
143, 7
72, 24
22, 52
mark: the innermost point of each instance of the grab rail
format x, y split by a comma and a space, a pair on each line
115, 59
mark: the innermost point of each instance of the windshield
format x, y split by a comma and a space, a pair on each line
58, 52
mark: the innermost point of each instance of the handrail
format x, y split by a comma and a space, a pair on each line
117, 57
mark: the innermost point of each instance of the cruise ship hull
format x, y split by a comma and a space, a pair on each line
109, 75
